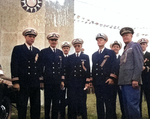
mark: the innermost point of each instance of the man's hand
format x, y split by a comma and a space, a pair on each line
135, 84
86, 86
143, 67
110, 81
16, 86
62, 85
113, 75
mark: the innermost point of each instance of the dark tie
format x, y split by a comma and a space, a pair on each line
30, 48
100, 51
54, 50
125, 47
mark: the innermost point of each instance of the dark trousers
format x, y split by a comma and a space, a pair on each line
1, 94
22, 101
105, 94
146, 89
52, 95
63, 103
131, 101
77, 102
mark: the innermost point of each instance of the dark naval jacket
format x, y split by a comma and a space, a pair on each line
101, 74
146, 72
51, 66
76, 74
131, 64
24, 64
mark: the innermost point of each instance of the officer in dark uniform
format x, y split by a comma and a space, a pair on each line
103, 73
24, 71
116, 46
78, 71
50, 60
65, 48
145, 74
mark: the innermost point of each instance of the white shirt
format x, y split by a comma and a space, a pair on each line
28, 46
65, 55
52, 48
101, 50
117, 55
144, 52
78, 54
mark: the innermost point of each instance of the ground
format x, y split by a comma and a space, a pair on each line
91, 108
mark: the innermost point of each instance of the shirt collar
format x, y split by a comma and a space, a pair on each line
78, 53
117, 55
144, 52
28, 46
52, 48
65, 55
101, 50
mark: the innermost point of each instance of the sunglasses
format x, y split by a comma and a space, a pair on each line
53, 39
77, 46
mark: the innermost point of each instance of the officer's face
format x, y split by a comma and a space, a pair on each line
116, 48
66, 50
101, 42
127, 38
30, 39
78, 47
144, 46
53, 43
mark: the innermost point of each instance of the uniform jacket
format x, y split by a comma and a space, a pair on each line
131, 64
65, 61
76, 74
24, 64
101, 74
146, 72
51, 66
117, 65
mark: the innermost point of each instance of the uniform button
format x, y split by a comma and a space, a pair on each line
80, 70
35, 73
80, 66
58, 63
29, 67
74, 66
80, 75
101, 73
96, 64
29, 61
96, 74
74, 70
58, 72
53, 63
35, 67
101, 68
64, 70
28, 73
96, 69
74, 75
53, 67
64, 73
53, 72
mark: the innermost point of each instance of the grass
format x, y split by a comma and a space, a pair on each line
91, 109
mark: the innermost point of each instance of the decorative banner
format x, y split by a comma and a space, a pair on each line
79, 18
31, 5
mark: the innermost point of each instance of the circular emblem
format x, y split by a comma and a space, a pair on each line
31, 5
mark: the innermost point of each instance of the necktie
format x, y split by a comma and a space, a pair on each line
54, 50
30, 48
100, 51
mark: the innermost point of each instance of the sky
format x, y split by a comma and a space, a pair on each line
119, 13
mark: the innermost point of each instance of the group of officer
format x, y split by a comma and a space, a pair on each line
60, 74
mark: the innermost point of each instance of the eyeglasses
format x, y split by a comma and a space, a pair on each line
53, 39
77, 46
